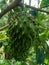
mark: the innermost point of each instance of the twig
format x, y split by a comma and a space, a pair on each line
4, 27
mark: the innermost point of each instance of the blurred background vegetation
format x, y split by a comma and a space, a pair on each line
41, 42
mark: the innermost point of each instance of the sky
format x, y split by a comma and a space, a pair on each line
47, 42
33, 2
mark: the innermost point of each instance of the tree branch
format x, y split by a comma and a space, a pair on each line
17, 3
4, 27
9, 7
37, 9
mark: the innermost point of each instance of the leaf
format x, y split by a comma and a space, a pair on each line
44, 2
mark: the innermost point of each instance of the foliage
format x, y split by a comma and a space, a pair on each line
3, 38
25, 33
44, 2
2, 4
3, 20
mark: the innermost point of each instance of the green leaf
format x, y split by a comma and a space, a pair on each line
44, 2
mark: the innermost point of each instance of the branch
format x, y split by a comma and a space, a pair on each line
37, 9
9, 7
17, 3
4, 27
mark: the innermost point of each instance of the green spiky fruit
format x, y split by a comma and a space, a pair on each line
21, 35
